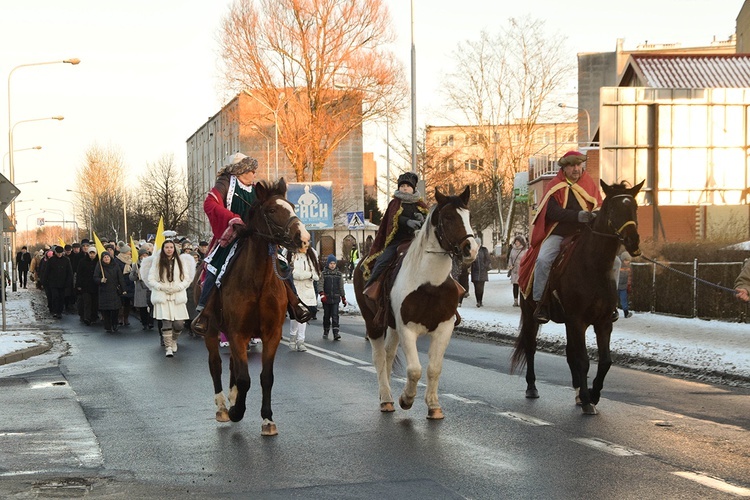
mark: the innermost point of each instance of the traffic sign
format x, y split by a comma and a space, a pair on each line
8, 226
40, 221
355, 220
8, 192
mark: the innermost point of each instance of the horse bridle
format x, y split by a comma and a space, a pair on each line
276, 232
617, 232
453, 249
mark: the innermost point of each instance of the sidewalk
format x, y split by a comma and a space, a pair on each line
709, 350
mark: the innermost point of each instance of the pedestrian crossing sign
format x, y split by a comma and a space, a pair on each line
355, 220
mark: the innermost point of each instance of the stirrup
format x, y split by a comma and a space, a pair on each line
199, 325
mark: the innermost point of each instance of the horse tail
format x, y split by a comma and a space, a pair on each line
526, 341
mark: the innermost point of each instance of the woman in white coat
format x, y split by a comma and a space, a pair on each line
169, 278
305, 272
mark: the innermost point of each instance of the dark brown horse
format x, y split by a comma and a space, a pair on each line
252, 301
584, 294
424, 299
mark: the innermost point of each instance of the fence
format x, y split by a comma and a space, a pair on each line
660, 290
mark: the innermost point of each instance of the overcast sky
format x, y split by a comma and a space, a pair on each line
148, 77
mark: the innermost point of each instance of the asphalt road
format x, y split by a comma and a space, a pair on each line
118, 419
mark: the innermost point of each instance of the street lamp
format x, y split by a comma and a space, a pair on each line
588, 119
91, 211
17, 150
73, 61
268, 154
67, 201
275, 112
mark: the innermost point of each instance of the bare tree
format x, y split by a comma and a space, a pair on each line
101, 191
163, 192
504, 85
321, 66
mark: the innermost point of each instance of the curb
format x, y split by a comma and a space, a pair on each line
25, 353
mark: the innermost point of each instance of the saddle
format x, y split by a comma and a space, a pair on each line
382, 287
551, 295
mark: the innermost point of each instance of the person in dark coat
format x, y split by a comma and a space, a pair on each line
23, 262
111, 288
331, 289
479, 269
124, 261
58, 278
87, 288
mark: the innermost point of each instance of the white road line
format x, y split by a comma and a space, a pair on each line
715, 483
526, 419
370, 369
462, 399
338, 355
607, 447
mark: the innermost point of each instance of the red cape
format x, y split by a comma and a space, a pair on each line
588, 195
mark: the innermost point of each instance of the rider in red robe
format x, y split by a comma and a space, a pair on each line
569, 201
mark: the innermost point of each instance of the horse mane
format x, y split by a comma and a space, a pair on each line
417, 247
263, 191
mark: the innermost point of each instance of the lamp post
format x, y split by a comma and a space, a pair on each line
73, 61
588, 119
16, 151
91, 212
67, 201
63, 218
268, 154
275, 121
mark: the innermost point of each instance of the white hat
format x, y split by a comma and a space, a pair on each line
235, 158
169, 233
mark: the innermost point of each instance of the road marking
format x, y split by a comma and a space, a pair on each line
526, 419
715, 483
370, 369
462, 399
607, 447
338, 355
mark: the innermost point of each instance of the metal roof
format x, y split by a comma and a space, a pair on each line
692, 71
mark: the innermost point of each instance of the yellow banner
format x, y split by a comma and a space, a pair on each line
159, 241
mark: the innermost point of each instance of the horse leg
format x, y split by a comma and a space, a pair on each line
238, 346
438, 345
383, 369
270, 346
413, 368
525, 348
214, 367
603, 335
578, 362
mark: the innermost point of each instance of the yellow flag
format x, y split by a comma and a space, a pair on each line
133, 249
159, 241
99, 247
62, 242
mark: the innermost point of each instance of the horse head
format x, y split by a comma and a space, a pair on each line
619, 215
452, 225
272, 216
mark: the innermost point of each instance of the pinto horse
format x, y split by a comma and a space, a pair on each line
252, 301
583, 294
424, 300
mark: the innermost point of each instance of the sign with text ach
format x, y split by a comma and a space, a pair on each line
313, 202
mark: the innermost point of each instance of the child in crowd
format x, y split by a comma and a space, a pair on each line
331, 291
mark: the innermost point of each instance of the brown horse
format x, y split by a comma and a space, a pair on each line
424, 299
252, 301
585, 294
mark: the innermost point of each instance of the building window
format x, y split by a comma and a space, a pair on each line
474, 164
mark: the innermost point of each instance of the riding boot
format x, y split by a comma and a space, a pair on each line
167, 336
541, 313
199, 325
336, 335
461, 289
299, 311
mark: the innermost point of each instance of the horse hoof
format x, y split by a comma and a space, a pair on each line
222, 416
435, 414
387, 408
402, 403
589, 409
532, 394
268, 428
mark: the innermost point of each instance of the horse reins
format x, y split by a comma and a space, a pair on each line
455, 249
617, 232
694, 278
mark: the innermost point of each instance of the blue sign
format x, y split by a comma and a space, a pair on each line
355, 220
313, 202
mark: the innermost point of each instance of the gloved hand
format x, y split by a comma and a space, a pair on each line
585, 216
418, 216
414, 224
323, 297
104, 280
343, 300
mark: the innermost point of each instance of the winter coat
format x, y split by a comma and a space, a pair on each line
125, 263
481, 265
58, 273
23, 261
514, 263
85, 276
304, 274
140, 295
76, 258
170, 297
111, 291
743, 279
332, 285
